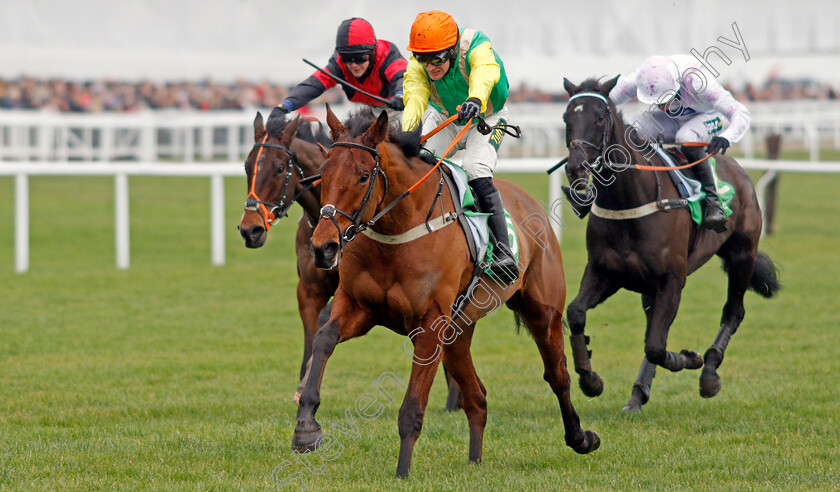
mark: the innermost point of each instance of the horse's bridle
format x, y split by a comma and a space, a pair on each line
580, 143
356, 226
253, 203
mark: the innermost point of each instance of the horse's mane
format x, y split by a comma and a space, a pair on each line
590, 85
409, 142
307, 130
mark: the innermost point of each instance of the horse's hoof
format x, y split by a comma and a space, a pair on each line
591, 384
709, 384
591, 442
304, 441
693, 360
632, 406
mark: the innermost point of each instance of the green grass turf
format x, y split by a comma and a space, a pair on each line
176, 374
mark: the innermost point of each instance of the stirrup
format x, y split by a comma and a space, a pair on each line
714, 217
504, 266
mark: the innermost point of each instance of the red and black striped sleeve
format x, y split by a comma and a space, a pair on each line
393, 70
314, 85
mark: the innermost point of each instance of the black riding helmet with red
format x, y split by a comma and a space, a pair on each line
355, 37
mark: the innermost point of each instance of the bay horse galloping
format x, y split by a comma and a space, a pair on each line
283, 157
410, 286
652, 253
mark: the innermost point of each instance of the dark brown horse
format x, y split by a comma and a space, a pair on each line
283, 156
654, 253
410, 287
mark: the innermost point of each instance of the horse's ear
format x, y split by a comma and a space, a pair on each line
378, 131
336, 128
259, 129
570, 87
289, 132
607, 86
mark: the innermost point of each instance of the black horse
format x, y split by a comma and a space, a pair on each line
649, 250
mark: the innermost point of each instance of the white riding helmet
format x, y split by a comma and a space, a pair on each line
658, 80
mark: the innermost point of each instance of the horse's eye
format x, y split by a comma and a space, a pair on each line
364, 177
600, 117
281, 169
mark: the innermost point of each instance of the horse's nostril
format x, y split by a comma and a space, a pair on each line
330, 250
251, 234
257, 232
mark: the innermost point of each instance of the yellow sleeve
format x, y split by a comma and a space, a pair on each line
416, 93
484, 73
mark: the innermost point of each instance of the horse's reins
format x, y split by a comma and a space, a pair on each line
278, 210
482, 127
356, 226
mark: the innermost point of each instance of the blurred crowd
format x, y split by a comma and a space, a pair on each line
119, 96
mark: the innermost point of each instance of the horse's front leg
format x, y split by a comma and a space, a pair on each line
347, 321
662, 310
641, 388
594, 289
428, 351
311, 301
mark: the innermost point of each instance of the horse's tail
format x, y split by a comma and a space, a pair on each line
518, 319
765, 277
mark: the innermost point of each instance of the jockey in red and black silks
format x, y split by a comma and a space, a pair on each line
374, 66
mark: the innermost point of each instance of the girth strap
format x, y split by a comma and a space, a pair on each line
638, 212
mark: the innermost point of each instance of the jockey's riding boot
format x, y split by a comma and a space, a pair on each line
489, 201
713, 218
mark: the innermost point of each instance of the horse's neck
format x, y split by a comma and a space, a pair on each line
308, 157
624, 188
413, 209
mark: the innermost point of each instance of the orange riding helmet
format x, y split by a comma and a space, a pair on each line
433, 31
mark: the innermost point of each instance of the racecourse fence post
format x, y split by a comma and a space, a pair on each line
555, 180
217, 218
774, 145
121, 220
21, 222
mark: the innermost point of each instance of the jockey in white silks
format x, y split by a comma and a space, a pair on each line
687, 105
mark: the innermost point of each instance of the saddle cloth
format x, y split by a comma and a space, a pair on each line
477, 221
690, 188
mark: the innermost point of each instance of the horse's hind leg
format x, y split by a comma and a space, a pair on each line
739, 259
546, 326
454, 398
593, 291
